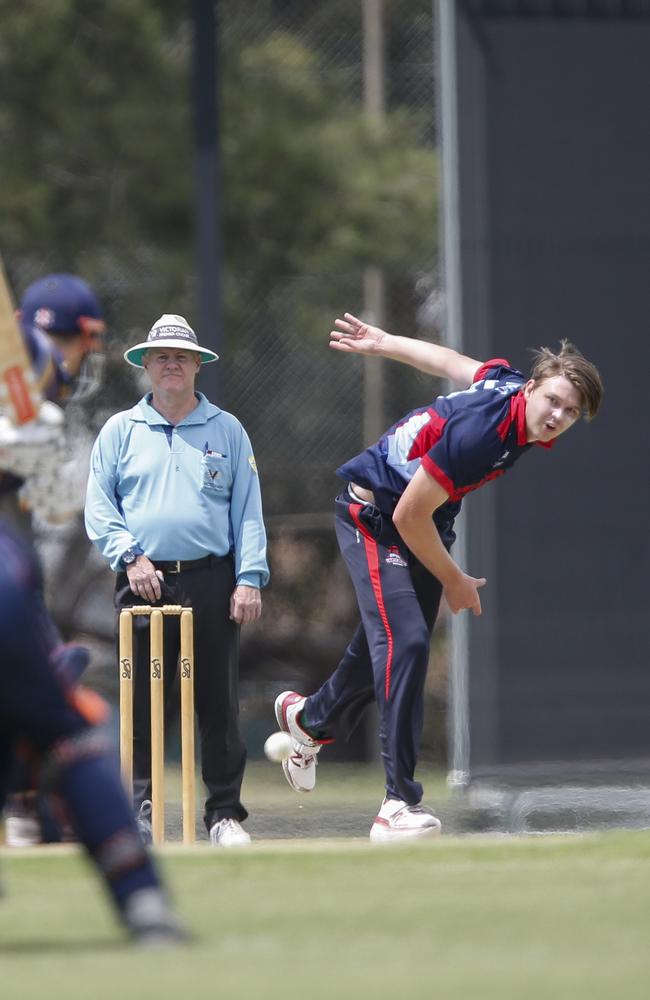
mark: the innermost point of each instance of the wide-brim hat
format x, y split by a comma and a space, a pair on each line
169, 331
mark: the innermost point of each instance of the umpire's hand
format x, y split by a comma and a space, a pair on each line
245, 604
144, 579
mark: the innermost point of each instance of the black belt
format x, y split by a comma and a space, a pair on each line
180, 565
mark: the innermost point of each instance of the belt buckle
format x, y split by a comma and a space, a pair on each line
176, 568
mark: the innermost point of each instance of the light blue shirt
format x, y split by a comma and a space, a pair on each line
179, 492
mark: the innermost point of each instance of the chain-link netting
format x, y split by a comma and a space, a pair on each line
302, 403
282, 282
328, 159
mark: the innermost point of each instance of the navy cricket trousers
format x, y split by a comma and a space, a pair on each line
33, 706
388, 656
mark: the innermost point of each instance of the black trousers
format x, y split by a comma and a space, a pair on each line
216, 683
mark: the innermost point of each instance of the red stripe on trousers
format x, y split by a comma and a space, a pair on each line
372, 556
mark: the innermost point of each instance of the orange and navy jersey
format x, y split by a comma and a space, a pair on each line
463, 440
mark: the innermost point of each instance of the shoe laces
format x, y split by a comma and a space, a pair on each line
417, 810
228, 824
302, 755
302, 741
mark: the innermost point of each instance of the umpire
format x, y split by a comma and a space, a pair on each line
174, 504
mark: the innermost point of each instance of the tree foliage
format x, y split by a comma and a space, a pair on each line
94, 126
311, 183
97, 164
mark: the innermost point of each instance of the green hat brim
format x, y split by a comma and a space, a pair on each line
135, 354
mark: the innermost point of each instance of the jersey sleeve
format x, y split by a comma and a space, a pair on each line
105, 524
246, 519
47, 363
494, 368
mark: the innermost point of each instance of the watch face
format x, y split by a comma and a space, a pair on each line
129, 557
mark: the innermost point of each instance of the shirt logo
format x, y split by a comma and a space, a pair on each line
501, 460
251, 462
395, 557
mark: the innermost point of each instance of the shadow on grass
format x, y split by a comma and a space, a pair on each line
59, 946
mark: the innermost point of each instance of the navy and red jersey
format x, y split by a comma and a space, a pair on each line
463, 440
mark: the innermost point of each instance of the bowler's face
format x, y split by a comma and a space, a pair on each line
171, 369
552, 406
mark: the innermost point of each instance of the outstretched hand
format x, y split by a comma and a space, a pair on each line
355, 336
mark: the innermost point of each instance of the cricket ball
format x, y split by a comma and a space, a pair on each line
278, 747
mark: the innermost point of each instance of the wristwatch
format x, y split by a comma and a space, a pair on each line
131, 555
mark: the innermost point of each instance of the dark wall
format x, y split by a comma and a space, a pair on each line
555, 242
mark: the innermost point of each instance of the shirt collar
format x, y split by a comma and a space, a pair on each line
519, 416
146, 413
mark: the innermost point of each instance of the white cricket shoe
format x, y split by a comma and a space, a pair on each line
22, 831
22, 822
228, 833
396, 821
300, 766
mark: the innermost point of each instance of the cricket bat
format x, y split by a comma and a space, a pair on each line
19, 396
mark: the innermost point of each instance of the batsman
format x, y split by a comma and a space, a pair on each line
51, 358
51, 727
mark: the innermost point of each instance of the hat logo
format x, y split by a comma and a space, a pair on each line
182, 332
44, 318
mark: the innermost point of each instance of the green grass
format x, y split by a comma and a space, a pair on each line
339, 785
466, 917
